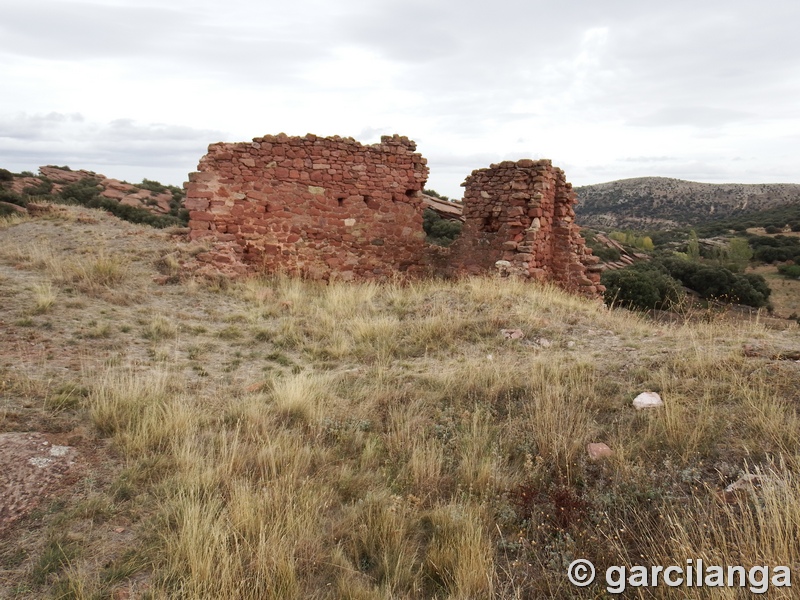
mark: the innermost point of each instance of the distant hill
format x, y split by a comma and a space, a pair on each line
664, 203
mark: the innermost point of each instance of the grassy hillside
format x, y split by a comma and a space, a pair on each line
276, 438
652, 203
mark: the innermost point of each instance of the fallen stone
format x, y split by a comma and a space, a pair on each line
647, 400
747, 481
512, 334
741, 488
598, 450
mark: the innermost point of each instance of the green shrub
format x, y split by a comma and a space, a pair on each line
81, 192
43, 188
6, 211
435, 194
641, 287
11, 197
439, 231
772, 255
718, 283
6, 175
790, 271
153, 186
606, 254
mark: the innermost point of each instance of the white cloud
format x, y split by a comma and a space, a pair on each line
587, 84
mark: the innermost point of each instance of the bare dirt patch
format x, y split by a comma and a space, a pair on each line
33, 467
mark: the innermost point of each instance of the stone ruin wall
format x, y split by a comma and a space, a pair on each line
520, 213
333, 208
321, 207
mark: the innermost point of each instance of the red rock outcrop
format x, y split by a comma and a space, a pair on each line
521, 213
125, 193
321, 207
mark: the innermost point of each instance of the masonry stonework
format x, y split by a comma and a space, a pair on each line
333, 208
520, 213
321, 207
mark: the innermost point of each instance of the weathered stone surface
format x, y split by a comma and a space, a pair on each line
318, 207
332, 207
521, 212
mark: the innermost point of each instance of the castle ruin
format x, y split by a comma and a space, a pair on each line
332, 208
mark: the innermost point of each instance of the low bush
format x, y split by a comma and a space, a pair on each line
439, 231
11, 197
43, 188
790, 271
657, 284
641, 287
718, 283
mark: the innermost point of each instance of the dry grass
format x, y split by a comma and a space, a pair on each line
785, 295
386, 441
92, 272
45, 296
405, 482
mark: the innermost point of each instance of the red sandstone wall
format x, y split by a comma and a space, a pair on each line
323, 207
521, 212
331, 207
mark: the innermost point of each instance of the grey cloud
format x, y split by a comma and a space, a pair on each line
258, 51
34, 127
63, 30
169, 149
463, 69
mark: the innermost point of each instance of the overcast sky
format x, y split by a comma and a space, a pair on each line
706, 90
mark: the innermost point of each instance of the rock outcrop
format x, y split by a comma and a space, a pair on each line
57, 178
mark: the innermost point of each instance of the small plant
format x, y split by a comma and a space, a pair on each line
439, 231
160, 328
66, 397
55, 557
45, 297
